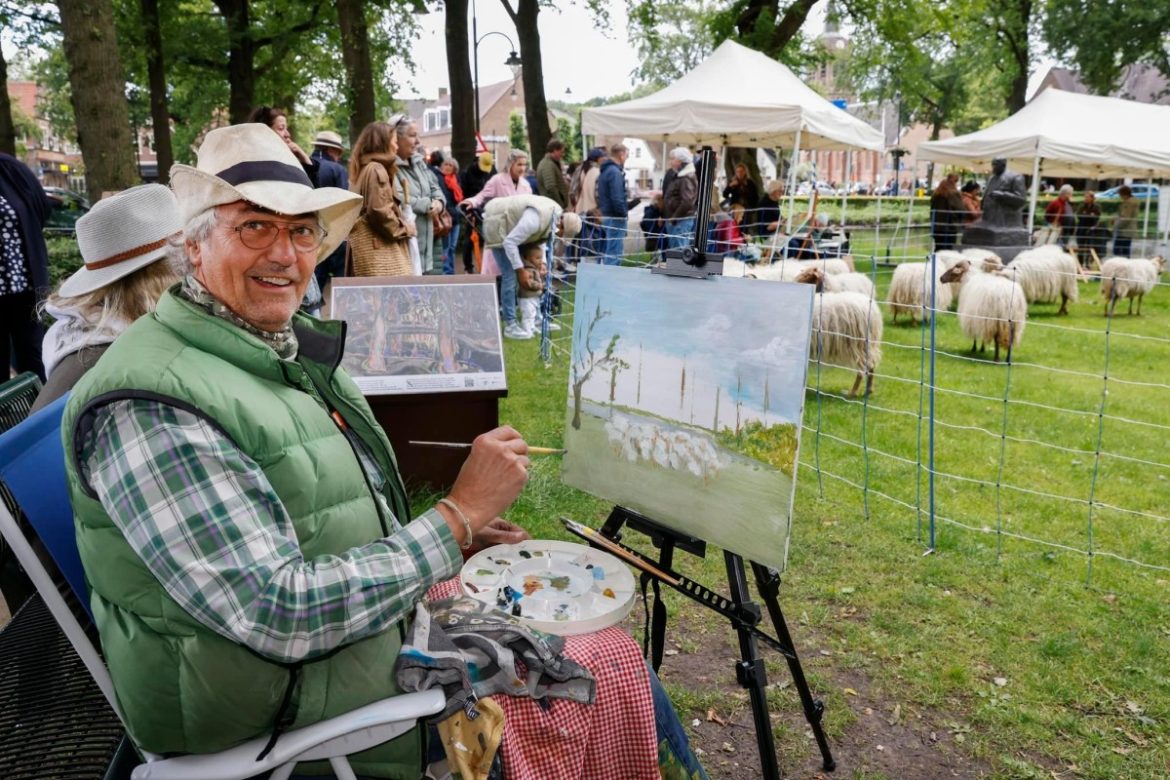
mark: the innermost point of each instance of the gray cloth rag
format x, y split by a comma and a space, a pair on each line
470, 649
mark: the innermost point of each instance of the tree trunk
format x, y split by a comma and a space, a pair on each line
160, 115
1019, 48
355, 53
98, 84
535, 105
7, 126
577, 386
463, 119
241, 59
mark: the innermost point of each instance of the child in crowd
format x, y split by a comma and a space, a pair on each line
531, 279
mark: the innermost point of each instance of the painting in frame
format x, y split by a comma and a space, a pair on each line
420, 334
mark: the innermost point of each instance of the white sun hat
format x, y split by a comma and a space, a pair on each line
251, 162
122, 233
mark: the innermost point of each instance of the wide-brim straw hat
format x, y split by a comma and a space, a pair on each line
121, 234
330, 139
251, 162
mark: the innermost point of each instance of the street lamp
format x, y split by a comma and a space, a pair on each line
512, 62
898, 152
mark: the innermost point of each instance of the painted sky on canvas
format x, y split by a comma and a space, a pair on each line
728, 332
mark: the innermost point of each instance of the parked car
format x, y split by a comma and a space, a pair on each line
1139, 191
804, 188
62, 219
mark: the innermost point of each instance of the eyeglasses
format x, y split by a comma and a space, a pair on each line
262, 233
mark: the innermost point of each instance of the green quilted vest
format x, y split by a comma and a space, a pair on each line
500, 215
183, 688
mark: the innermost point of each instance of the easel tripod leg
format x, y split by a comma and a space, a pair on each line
814, 709
750, 673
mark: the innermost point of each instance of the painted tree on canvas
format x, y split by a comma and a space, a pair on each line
588, 360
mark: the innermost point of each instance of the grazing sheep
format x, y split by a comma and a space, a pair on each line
846, 331
910, 291
1046, 273
989, 259
991, 308
851, 282
1124, 277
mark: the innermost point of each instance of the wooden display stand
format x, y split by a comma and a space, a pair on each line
455, 417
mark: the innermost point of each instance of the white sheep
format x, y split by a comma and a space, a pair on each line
910, 291
992, 308
1124, 277
850, 282
1046, 273
846, 332
786, 270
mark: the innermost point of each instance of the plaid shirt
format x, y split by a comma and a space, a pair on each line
209, 526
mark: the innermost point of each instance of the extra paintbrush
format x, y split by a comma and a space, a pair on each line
459, 445
708, 598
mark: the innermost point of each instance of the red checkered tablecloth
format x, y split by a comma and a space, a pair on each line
611, 739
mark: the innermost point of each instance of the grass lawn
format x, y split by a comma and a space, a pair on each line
998, 644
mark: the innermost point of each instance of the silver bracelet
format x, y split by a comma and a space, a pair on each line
462, 518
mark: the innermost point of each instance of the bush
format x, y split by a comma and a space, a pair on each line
64, 257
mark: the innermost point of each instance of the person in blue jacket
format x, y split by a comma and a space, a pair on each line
613, 203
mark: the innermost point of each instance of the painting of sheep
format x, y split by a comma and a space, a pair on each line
685, 400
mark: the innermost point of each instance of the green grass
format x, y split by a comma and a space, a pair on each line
1086, 691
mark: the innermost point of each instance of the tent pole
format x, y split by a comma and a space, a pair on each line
792, 183
848, 184
1146, 221
1035, 195
665, 143
909, 221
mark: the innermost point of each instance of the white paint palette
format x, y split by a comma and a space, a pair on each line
558, 587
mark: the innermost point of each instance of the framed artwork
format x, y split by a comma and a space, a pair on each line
685, 402
420, 334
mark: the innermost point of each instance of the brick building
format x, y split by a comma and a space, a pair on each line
497, 102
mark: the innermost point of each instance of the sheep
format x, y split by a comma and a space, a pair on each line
846, 331
910, 291
1045, 274
832, 265
991, 308
1124, 277
851, 282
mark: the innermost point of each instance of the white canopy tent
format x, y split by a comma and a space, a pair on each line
1067, 134
736, 97
1074, 135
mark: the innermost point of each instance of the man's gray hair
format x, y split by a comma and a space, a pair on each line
1066, 190
198, 229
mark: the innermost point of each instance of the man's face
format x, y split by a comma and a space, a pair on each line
998, 167
620, 157
263, 287
558, 154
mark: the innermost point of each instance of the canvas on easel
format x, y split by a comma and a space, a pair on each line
685, 402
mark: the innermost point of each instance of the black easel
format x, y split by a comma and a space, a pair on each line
743, 613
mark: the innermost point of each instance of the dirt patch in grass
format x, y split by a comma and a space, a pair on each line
870, 735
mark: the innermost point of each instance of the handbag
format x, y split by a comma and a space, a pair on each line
442, 222
371, 256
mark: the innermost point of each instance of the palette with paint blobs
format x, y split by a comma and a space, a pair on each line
557, 587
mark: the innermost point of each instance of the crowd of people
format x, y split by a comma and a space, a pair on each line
951, 208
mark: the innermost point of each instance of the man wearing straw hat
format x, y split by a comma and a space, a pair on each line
240, 517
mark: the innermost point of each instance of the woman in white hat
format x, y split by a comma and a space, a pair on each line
132, 247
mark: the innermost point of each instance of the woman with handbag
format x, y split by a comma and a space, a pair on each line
379, 244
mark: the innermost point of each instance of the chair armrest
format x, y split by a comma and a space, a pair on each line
345, 734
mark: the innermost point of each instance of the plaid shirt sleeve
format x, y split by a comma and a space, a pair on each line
209, 526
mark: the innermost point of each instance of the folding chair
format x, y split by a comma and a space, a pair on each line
32, 464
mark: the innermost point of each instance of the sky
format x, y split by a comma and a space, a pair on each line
576, 55
726, 331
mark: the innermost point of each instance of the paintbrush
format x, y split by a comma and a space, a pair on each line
459, 445
594, 537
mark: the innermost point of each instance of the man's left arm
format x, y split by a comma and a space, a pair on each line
526, 227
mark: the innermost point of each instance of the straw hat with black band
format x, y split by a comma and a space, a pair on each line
250, 162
